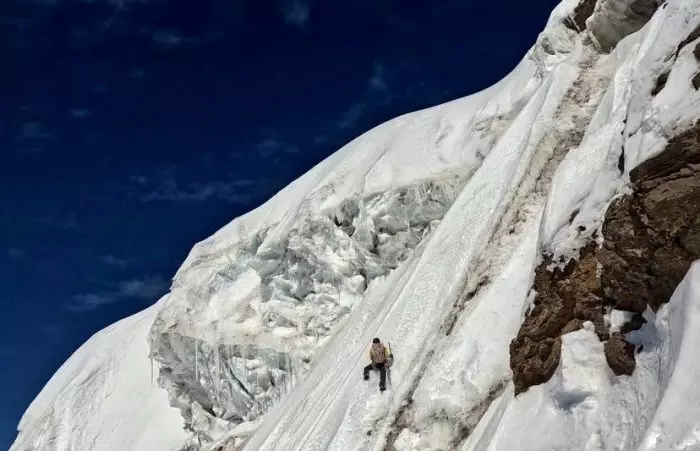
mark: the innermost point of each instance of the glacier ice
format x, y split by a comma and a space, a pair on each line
274, 306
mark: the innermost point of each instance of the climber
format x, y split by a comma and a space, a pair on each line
380, 357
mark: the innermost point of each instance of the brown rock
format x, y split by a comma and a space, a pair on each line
680, 152
653, 236
690, 38
620, 355
650, 240
690, 240
539, 365
566, 298
577, 20
696, 80
635, 323
696, 52
660, 83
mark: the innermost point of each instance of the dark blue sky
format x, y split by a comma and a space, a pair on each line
130, 129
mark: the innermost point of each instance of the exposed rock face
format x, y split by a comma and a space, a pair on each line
691, 37
651, 239
620, 355
577, 21
612, 20
660, 83
696, 81
565, 300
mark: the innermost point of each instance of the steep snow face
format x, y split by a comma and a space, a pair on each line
253, 307
105, 397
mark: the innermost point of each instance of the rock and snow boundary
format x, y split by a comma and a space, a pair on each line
427, 231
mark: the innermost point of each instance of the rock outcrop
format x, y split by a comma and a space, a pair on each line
565, 299
612, 20
609, 21
620, 355
696, 78
651, 238
577, 20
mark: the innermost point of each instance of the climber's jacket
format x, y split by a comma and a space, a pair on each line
378, 353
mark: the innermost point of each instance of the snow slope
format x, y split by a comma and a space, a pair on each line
105, 397
424, 231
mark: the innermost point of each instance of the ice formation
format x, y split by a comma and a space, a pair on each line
426, 231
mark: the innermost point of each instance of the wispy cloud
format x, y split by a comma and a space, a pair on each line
378, 81
16, 252
91, 301
167, 38
297, 12
34, 131
165, 186
144, 288
62, 222
79, 113
378, 93
112, 260
148, 288
170, 190
351, 115
270, 146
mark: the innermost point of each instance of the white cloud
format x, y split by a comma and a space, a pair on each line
377, 81
112, 260
15, 252
141, 180
233, 192
34, 130
80, 113
145, 288
90, 301
166, 38
352, 115
297, 13
148, 288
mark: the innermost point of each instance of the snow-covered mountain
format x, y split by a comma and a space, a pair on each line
521, 249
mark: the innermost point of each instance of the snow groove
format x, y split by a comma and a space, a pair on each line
564, 134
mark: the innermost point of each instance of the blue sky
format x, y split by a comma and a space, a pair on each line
130, 129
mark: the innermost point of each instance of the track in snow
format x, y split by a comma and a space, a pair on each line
565, 134
328, 410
